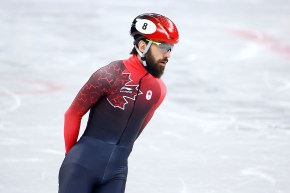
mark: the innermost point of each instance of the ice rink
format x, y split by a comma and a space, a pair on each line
223, 128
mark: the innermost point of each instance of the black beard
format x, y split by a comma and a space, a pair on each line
152, 67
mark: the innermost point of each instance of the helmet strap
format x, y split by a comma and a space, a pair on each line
142, 55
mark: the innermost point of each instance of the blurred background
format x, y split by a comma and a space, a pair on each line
224, 126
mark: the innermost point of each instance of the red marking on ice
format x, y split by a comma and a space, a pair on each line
271, 43
31, 85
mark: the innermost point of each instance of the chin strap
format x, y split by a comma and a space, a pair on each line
142, 55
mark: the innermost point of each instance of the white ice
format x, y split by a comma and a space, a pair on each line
223, 128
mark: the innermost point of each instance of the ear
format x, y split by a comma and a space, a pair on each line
141, 45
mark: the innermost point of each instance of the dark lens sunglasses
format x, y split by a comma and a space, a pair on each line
165, 47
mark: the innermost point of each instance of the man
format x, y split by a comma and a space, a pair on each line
122, 97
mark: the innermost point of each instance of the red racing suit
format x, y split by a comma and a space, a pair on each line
122, 98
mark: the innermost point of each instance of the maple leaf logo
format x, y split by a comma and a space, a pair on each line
127, 91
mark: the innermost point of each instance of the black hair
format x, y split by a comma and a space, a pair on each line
134, 51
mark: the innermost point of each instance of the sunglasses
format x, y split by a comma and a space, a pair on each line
164, 47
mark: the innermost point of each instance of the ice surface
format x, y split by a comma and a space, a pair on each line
223, 128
